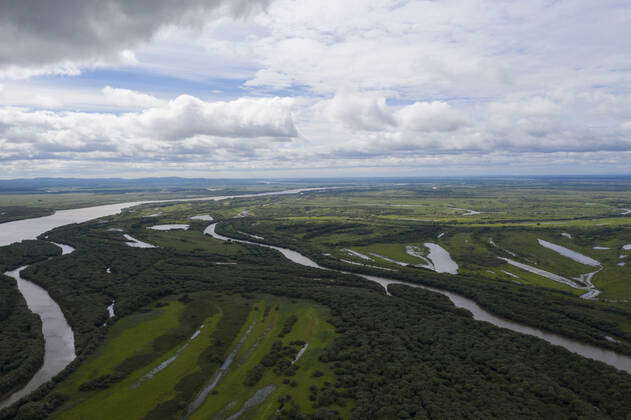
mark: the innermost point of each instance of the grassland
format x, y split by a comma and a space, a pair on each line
139, 394
268, 320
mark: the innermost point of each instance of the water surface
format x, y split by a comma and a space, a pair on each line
59, 348
204, 217
441, 259
566, 252
135, 243
169, 227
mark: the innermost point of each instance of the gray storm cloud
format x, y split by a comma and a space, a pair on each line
39, 33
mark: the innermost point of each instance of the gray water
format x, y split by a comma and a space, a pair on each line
566, 252
110, 309
441, 260
135, 243
252, 236
169, 227
609, 357
300, 353
543, 273
204, 217
59, 348
20, 230
468, 212
357, 254
59, 337
65, 249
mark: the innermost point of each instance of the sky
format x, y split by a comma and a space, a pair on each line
298, 88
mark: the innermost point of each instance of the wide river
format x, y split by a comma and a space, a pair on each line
60, 351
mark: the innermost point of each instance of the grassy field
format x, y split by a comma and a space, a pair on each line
451, 204
150, 336
267, 321
164, 331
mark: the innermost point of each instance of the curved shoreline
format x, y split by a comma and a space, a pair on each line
59, 346
589, 351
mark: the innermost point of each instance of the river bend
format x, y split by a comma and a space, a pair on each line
609, 357
59, 349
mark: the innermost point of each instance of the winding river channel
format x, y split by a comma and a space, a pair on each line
59, 348
59, 337
609, 357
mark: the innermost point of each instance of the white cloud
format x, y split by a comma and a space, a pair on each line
187, 116
374, 83
185, 128
430, 116
359, 112
370, 112
126, 98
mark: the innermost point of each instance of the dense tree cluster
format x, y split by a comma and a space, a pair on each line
26, 252
10, 213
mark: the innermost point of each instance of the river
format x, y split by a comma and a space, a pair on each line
60, 352
609, 357
59, 348
20, 230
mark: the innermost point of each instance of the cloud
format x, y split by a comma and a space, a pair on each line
126, 98
185, 128
370, 112
373, 129
60, 37
187, 116
360, 83
359, 112
430, 116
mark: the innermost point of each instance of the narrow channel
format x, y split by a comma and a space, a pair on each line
609, 357
59, 349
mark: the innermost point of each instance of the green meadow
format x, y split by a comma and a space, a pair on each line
182, 334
